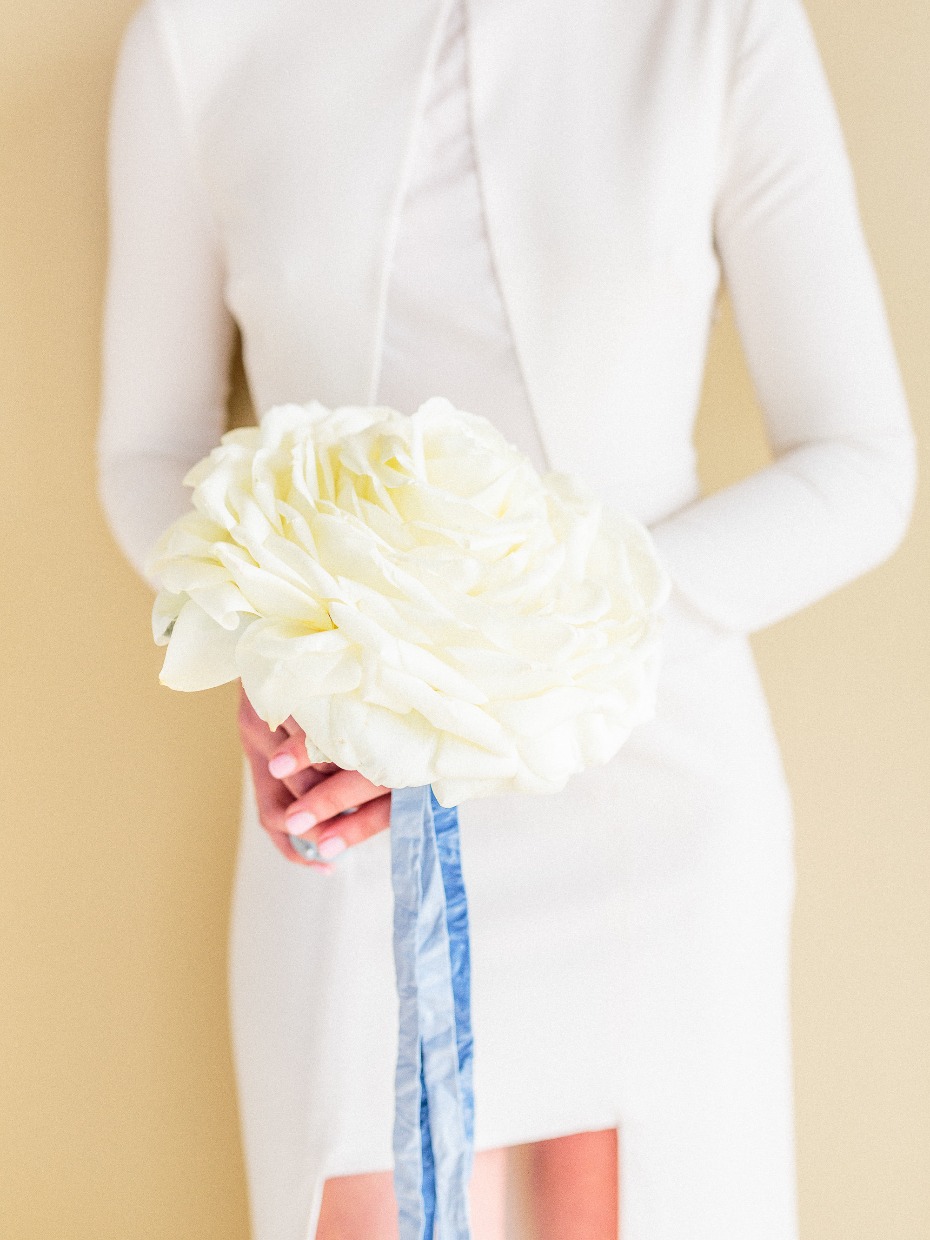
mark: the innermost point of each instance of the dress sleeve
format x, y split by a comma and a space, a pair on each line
837, 499
167, 334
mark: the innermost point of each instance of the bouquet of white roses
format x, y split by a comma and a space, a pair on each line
438, 616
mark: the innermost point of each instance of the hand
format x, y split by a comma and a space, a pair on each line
345, 807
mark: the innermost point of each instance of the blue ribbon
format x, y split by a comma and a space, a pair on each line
434, 1101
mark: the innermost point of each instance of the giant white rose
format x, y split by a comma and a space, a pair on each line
407, 587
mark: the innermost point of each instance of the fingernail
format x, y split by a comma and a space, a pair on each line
297, 824
331, 847
282, 764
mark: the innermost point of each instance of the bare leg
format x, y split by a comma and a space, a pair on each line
574, 1186
358, 1206
487, 1195
363, 1207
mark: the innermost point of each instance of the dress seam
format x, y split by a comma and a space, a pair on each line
491, 249
169, 41
392, 231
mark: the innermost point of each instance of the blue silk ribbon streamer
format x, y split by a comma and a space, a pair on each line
434, 1101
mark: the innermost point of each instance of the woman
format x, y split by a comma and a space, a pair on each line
527, 208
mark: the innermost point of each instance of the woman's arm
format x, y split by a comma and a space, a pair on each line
838, 498
166, 353
167, 335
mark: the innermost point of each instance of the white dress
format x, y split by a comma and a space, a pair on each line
631, 935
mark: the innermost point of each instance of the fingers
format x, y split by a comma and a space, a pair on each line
318, 801
272, 795
254, 731
272, 798
336, 834
259, 740
320, 814
340, 791
289, 753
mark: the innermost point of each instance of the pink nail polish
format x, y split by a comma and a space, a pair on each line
282, 764
298, 823
331, 847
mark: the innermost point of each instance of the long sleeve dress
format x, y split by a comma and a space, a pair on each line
631, 935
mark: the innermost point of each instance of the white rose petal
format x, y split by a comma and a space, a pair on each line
201, 654
407, 587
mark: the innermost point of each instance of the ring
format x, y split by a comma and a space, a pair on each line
307, 849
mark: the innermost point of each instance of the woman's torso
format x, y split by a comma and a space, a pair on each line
672, 803
561, 888
597, 186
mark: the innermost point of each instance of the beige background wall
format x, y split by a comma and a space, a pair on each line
119, 798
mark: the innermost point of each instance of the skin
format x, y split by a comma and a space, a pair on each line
573, 1180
